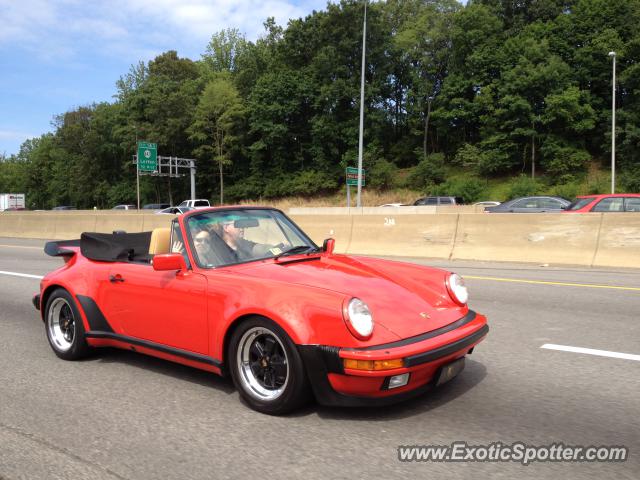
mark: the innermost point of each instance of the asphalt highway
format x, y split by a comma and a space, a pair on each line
120, 415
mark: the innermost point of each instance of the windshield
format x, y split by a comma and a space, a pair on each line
579, 203
243, 235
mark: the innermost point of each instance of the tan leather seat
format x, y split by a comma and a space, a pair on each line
160, 241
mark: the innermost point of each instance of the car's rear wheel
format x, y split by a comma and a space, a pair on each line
266, 367
63, 323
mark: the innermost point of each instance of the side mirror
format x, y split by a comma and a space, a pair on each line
169, 261
328, 245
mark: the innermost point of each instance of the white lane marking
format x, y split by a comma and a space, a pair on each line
21, 246
591, 351
25, 275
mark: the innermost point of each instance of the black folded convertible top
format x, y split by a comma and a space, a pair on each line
57, 249
105, 247
116, 247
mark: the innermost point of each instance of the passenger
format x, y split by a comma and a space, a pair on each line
204, 250
203, 247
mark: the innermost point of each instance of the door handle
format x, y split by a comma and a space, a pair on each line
116, 278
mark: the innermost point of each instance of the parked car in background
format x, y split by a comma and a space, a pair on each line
175, 210
197, 204
124, 207
619, 202
438, 201
487, 203
156, 206
535, 204
64, 207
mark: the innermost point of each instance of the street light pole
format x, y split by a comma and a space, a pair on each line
360, 137
613, 125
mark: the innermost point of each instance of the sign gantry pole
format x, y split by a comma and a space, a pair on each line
148, 162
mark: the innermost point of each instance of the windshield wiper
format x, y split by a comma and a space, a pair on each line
298, 249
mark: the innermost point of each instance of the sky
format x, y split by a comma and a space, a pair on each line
56, 55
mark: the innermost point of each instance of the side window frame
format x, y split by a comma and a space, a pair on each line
629, 200
608, 200
521, 204
175, 227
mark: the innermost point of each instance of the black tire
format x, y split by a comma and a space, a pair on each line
288, 394
63, 326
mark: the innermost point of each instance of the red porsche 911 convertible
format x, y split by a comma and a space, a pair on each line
242, 291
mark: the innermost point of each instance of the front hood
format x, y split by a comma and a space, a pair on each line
404, 298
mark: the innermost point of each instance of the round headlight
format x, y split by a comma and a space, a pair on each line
457, 289
359, 319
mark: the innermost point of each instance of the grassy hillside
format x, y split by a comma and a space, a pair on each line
457, 179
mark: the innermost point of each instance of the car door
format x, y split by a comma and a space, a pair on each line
160, 307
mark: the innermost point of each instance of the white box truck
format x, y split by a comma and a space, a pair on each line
11, 201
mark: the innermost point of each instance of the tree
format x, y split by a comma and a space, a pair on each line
218, 112
224, 49
427, 44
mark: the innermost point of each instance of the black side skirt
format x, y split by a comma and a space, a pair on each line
195, 357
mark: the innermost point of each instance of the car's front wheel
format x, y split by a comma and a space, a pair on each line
266, 367
65, 331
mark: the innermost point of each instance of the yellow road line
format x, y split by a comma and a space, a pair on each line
21, 246
563, 284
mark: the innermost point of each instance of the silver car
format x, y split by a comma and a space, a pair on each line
534, 204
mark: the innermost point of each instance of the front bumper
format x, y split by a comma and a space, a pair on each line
423, 356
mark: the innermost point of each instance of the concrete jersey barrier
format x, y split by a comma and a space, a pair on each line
593, 239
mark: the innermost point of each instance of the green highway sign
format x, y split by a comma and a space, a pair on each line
147, 157
352, 176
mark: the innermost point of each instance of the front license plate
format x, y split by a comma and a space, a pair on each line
450, 370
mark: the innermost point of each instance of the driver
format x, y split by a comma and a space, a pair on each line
234, 238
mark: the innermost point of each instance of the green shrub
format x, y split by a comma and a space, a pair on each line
382, 176
467, 156
306, 182
524, 186
560, 159
469, 189
567, 190
428, 172
251, 188
599, 184
491, 162
630, 180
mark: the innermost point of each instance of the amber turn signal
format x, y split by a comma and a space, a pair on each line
373, 364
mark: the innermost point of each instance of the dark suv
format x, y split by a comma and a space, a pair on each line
438, 201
